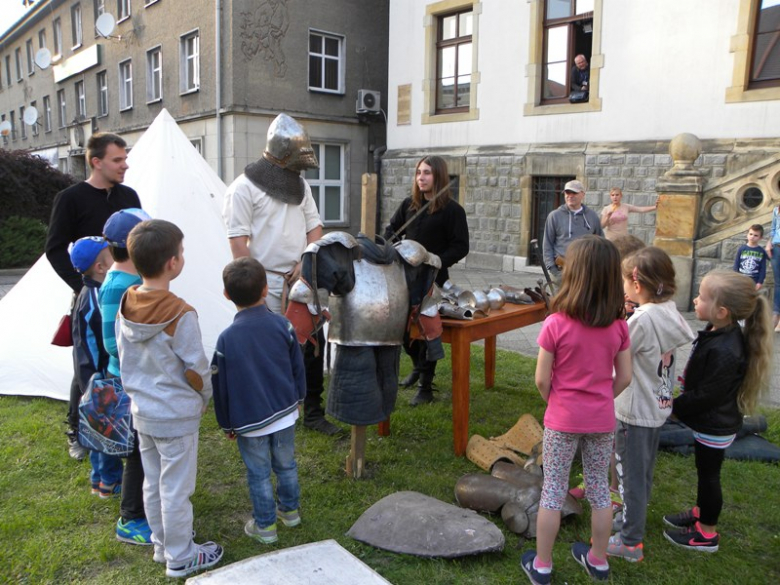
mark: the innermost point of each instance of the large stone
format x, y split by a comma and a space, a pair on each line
416, 524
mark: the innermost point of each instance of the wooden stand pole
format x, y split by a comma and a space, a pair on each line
357, 452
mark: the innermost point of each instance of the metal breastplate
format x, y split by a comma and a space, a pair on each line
375, 311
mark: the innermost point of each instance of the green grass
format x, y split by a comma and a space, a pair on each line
53, 531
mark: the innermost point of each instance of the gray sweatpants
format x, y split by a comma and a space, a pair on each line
636, 449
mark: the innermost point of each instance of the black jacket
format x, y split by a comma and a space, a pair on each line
80, 211
445, 233
714, 373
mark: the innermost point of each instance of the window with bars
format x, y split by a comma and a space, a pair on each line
326, 62
568, 32
453, 61
102, 93
327, 182
189, 62
154, 74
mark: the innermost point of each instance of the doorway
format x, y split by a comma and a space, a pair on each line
546, 197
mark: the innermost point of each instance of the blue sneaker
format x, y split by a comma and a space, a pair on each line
527, 564
579, 550
135, 531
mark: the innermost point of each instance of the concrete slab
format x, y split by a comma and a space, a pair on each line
324, 563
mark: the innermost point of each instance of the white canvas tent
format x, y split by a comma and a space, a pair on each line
175, 183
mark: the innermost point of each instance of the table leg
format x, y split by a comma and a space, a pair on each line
461, 367
490, 361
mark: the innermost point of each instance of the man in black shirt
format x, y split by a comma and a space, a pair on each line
82, 210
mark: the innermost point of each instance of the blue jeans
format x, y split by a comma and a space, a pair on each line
261, 454
105, 468
776, 271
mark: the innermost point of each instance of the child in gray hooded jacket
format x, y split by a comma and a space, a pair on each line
166, 373
656, 329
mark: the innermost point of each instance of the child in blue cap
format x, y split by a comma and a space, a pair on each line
90, 257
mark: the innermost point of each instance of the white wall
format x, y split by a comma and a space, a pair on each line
666, 69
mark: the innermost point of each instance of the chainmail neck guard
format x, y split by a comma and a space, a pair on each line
278, 183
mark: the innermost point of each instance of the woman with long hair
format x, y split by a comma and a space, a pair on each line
443, 230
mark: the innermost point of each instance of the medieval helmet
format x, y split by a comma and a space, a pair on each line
288, 145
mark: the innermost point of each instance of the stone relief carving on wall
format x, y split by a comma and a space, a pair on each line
263, 31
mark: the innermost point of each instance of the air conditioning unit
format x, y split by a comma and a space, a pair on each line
368, 102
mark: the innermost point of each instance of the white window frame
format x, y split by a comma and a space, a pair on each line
18, 59
42, 38
46, 113
323, 58
34, 104
81, 100
102, 93
154, 75
125, 85
23, 129
189, 83
123, 10
62, 108
8, 74
197, 142
2, 119
150, 2
28, 46
76, 29
57, 31
320, 182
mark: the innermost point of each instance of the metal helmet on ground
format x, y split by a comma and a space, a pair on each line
288, 145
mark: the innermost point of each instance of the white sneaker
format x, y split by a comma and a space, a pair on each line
208, 555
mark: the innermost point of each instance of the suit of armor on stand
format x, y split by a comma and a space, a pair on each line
371, 292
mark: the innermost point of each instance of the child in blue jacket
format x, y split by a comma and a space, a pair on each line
259, 380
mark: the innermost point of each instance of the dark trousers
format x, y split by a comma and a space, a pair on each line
314, 366
132, 505
709, 494
417, 349
73, 406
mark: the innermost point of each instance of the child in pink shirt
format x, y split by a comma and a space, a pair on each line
580, 343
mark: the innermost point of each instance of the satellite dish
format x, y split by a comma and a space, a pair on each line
43, 58
30, 116
105, 24
5, 128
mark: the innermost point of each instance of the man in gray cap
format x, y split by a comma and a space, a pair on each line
570, 221
271, 215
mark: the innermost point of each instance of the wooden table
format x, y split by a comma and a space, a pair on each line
460, 334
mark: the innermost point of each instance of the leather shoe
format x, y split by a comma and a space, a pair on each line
410, 380
322, 425
423, 396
